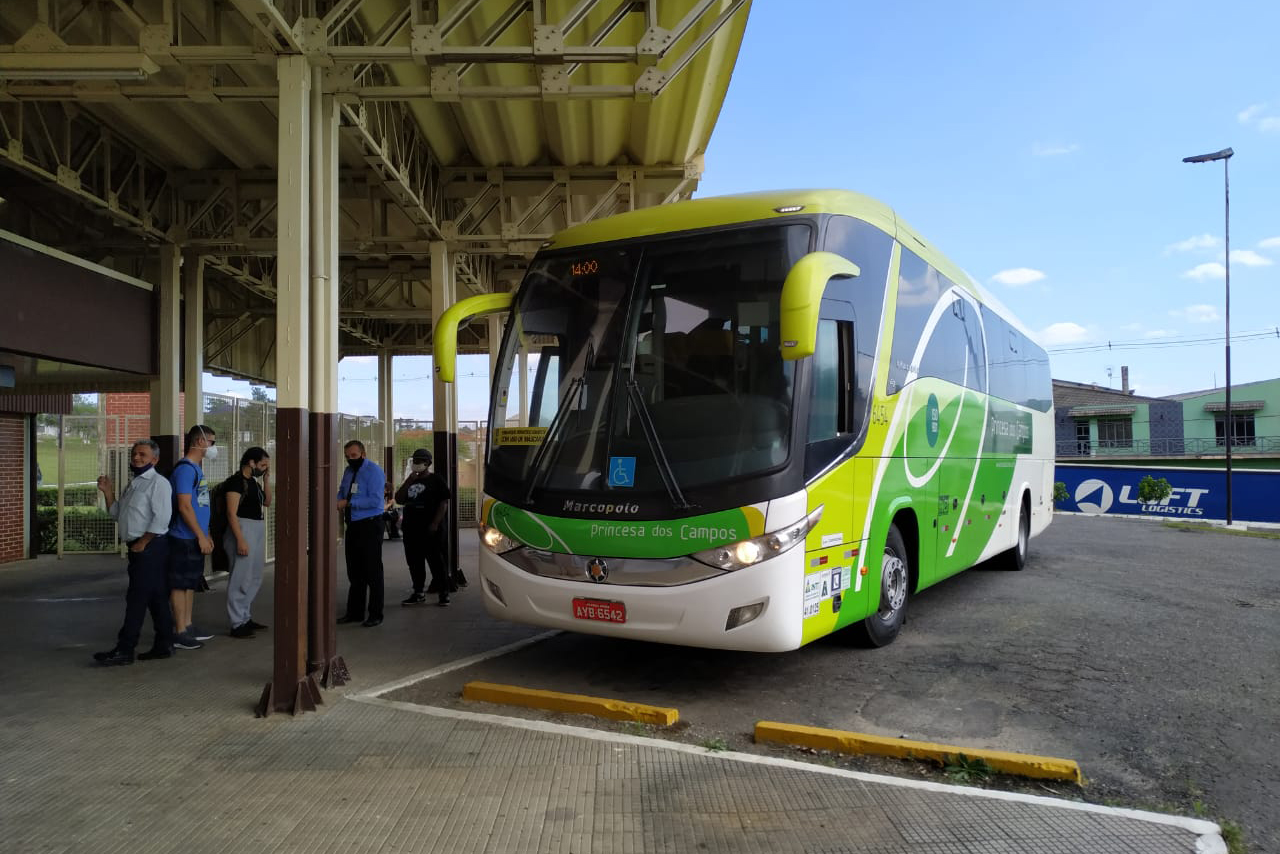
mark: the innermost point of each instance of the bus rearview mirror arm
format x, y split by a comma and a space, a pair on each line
445, 347
802, 298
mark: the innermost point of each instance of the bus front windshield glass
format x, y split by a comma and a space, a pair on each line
647, 368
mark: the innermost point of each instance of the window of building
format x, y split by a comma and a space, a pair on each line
1083, 442
1115, 432
1242, 429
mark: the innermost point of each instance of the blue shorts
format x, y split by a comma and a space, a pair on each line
186, 564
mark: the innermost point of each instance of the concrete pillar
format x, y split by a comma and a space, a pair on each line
386, 414
444, 414
291, 688
322, 656
164, 388
193, 343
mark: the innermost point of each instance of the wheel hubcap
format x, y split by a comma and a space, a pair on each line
893, 585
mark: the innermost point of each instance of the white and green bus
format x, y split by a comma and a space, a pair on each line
747, 422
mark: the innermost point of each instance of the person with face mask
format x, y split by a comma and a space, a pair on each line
425, 498
189, 533
361, 504
142, 514
247, 494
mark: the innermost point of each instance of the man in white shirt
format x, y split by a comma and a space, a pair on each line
143, 514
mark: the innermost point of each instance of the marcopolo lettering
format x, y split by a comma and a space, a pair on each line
590, 507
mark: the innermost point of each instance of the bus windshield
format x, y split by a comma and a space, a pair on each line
647, 368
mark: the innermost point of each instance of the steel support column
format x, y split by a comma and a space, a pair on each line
193, 346
444, 416
164, 388
291, 688
323, 655
386, 413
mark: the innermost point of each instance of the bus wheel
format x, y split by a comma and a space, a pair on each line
882, 627
1016, 557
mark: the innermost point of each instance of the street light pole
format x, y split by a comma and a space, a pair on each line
1229, 421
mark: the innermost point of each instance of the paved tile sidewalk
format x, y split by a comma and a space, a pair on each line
167, 757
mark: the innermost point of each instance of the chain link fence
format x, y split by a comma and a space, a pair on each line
72, 514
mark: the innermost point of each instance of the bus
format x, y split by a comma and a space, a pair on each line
750, 421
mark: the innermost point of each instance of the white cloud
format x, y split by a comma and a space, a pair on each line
1249, 258
1062, 333
1017, 277
1261, 116
1269, 243
1200, 241
1041, 150
1212, 270
1196, 313
1248, 114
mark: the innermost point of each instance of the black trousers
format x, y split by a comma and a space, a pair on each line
363, 546
423, 548
148, 591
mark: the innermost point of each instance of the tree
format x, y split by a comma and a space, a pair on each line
259, 394
1152, 490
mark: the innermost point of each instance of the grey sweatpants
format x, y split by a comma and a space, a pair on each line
246, 570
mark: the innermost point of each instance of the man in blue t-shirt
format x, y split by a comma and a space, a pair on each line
189, 533
361, 503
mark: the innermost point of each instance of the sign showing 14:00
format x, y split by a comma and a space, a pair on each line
585, 267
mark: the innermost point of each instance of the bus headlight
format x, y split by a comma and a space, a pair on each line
496, 541
747, 552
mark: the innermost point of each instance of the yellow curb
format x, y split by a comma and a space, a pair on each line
601, 707
1022, 764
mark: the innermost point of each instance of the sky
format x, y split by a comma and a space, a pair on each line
1040, 147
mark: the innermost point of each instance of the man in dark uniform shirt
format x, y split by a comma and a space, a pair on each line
425, 499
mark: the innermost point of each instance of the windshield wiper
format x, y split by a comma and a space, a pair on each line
651, 436
553, 430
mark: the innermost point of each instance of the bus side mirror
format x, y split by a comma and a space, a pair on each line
802, 297
446, 331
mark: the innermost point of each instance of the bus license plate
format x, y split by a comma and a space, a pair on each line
596, 609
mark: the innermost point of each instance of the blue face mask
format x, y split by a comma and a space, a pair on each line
140, 470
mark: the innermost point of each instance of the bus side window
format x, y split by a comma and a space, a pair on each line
831, 390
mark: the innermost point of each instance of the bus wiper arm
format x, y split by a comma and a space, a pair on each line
651, 436
538, 475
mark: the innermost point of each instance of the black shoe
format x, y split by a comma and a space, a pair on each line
415, 599
444, 600
244, 630
156, 652
113, 657
256, 626
371, 622
347, 619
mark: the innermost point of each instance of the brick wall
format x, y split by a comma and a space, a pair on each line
136, 407
13, 437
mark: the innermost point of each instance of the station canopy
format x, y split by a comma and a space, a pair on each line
487, 124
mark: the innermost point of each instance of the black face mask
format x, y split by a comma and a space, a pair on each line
138, 471
356, 463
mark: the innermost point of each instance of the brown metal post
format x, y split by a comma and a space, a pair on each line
291, 688
170, 453
322, 641
446, 459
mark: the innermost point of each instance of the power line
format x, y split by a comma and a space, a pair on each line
1167, 343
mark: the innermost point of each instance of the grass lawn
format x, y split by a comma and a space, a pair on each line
82, 460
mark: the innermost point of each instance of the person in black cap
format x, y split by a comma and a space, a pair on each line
425, 498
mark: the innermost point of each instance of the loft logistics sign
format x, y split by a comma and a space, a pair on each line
1196, 494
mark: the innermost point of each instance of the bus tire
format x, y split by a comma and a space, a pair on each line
1016, 558
882, 627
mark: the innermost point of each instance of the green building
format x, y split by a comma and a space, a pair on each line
1118, 425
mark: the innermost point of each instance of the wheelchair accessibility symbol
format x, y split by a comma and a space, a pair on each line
622, 471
